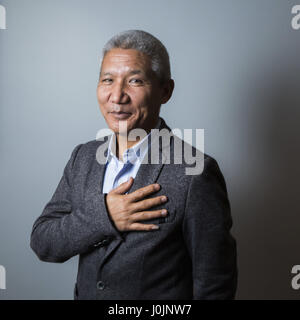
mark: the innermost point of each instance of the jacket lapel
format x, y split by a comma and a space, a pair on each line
148, 173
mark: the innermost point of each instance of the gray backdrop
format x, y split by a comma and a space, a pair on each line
236, 70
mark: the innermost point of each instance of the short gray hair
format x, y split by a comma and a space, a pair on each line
146, 43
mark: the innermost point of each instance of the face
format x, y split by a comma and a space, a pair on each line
129, 91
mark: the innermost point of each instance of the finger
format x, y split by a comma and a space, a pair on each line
143, 227
147, 203
123, 187
143, 192
145, 215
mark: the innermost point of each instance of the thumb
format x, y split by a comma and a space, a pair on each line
123, 187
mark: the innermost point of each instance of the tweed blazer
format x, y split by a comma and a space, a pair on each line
191, 256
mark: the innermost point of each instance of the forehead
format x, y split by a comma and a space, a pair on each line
125, 60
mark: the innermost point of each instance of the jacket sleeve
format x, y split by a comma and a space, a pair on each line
206, 231
62, 231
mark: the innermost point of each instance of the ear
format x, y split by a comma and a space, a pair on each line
167, 90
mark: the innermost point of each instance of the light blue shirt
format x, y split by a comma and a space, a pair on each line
117, 171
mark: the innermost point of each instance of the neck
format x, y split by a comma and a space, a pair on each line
123, 143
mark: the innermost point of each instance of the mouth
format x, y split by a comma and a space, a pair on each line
121, 115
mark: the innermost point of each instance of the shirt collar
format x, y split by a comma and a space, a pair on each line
132, 154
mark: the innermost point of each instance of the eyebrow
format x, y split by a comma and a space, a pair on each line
132, 72
135, 72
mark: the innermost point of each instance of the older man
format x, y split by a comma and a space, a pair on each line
142, 230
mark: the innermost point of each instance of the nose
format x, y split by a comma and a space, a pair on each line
118, 94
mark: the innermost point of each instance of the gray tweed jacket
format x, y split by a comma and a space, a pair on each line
191, 256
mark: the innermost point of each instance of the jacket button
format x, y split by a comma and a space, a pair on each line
100, 285
101, 243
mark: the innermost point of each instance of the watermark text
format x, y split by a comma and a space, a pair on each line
2, 18
296, 19
2, 277
159, 145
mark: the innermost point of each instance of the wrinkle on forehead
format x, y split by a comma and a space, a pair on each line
125, 61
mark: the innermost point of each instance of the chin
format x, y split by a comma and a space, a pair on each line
114, 126
119, 126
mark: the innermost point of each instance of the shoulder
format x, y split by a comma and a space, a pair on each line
87, 151
188, 168
194, 161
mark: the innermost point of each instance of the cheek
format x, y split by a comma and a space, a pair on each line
101, 95
142, 100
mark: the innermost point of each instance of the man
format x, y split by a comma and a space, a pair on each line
142, 230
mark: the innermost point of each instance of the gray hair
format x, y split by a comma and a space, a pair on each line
146, 43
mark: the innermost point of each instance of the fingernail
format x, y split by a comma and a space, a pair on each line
157, 186
164, 212
155, 227
163, 199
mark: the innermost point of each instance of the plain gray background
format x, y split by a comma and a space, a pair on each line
236, 69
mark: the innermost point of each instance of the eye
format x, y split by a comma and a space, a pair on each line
106, 80
136, 81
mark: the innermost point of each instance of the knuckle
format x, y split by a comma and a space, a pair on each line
135, 226
145, 204
148, 215
137, 216
123, 203
125, 198
142, 193
158, 213
156, 201
148, 202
